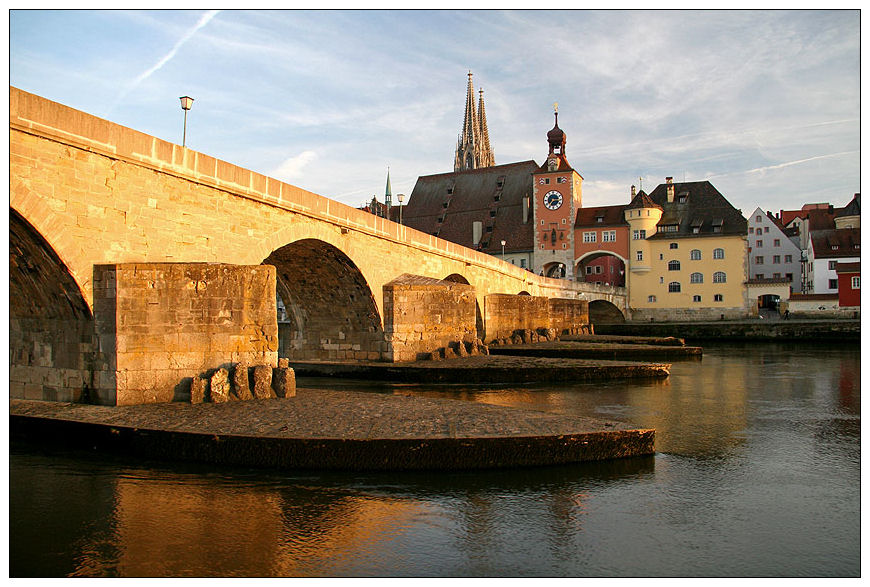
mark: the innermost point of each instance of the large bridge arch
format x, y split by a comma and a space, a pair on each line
330, 306
52, 345
583, 261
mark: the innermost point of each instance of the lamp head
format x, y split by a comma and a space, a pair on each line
186, 102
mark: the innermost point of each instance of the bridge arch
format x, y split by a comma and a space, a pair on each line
604, 312
51, 327
610, 273
329, 306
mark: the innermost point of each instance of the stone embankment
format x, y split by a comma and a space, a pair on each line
594, 350
764, 329
486, 369
320, 429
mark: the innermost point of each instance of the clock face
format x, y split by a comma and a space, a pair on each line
553, 200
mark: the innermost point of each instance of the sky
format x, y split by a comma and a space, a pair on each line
763, 104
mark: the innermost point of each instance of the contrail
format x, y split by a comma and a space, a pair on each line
781, 165
204, 19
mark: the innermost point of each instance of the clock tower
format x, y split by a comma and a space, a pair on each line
557, 195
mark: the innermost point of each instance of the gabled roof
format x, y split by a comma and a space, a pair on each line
473, 199
838, 243
704, 208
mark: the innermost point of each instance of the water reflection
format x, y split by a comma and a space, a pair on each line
758, 462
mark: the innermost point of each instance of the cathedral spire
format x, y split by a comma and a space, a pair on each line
388, 194
486, 157
472, 148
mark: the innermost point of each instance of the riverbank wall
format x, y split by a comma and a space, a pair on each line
848, 331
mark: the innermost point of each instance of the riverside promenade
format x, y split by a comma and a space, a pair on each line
322, 429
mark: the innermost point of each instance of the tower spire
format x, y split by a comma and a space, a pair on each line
486, 157
472, 148
388, 193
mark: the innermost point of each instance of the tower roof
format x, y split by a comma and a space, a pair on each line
557, 137
641, 200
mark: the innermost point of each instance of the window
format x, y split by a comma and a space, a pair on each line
759, 260
832, 265
674, 287
599, 219
788, 258
661, 257
751, 230
696, 278
681, 199
673, 245
757, 231
856, 282
589, 270
668, 228
759, 244
589, 237
719, 277
640, 255
766, 229
661, 279
598, 269
777, 275
651, 299
561, 180
776, 242
758, 218
832, 284
523, 263
718, 253
673, 265
717, 298
608, 236
835, 247
776, 259
789, 276
695, 255
759, 276
638, 235
696, 298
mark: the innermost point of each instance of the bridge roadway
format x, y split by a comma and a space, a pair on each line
86, 193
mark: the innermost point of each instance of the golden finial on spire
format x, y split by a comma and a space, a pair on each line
555, 106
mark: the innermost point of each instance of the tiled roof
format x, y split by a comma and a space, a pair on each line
704, 208
838, 243
853, 208
642, 200
609, 215
473, 198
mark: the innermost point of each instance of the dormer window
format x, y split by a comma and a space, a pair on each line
683, 197
599, 219
500, 182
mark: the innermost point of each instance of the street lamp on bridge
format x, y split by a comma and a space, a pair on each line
186, 103
503, 243
401, 198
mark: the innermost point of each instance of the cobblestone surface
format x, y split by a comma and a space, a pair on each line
317, 413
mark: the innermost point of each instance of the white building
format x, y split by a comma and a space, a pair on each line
772, 254
827, 249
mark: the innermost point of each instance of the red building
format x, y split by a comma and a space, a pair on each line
849, 282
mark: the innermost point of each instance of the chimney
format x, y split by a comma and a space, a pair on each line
633, 193
670, 182
476, 232
525, 210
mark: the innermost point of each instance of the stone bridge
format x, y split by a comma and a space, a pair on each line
130, 254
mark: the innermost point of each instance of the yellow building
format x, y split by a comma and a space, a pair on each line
688, 254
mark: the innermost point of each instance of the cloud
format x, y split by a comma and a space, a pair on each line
291, 168
204, 20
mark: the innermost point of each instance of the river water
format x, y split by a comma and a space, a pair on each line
757, 473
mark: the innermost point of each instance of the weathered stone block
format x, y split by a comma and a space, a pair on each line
198, 387
240, 382
220, 386
284, 382
263, 382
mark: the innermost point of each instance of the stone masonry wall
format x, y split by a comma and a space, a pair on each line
568, 316
504, 314
161, 324
422, 315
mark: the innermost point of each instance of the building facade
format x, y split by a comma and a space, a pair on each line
772, 254
829, 248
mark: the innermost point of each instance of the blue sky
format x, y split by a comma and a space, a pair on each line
764, 104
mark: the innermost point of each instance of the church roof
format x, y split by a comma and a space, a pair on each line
448, 204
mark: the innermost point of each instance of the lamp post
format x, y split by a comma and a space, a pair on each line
401, 198
186, 103
503, 243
